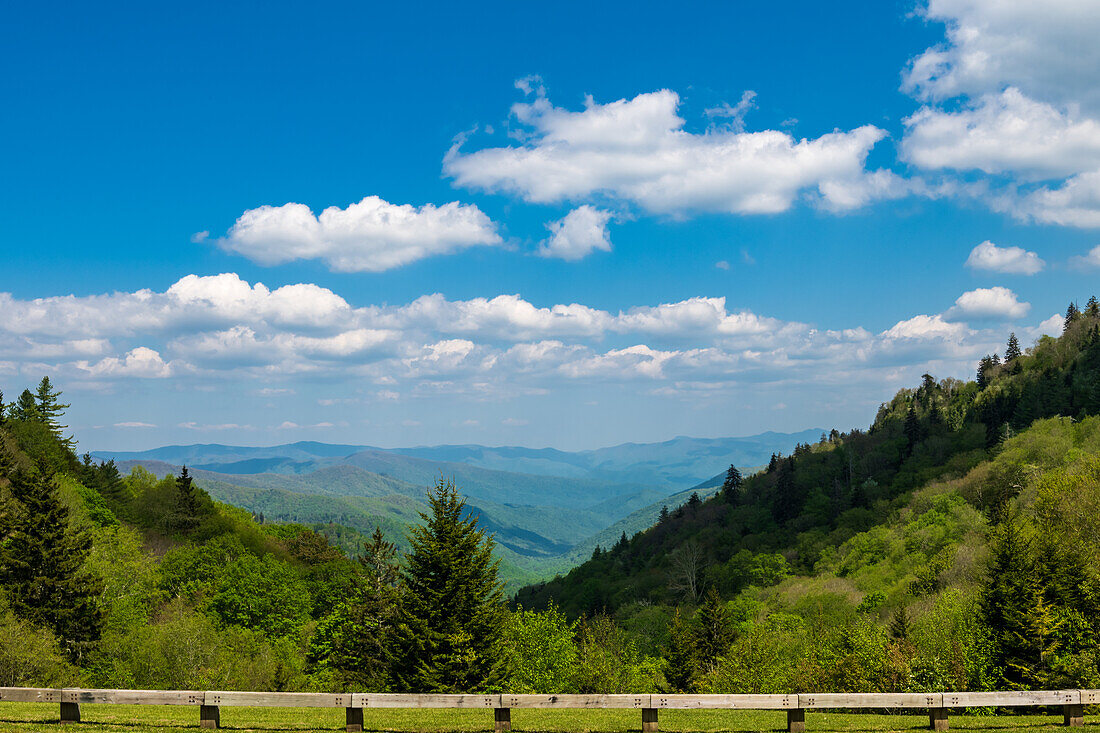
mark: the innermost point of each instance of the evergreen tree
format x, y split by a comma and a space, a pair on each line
985, 367
787, 499
900, 627
1072, 314
680, 654
714, 629
731, 487
913, 430
1092, 308
364, 630
50, 409
1012, 351
455, 602
188, 507
1009, 599
25, 408
41, 566
663, 517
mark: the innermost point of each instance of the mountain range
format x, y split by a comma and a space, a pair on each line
546, 507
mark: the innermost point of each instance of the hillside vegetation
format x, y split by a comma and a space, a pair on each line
944, 547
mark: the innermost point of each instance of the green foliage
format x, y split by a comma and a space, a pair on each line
608, 661
30, 655
261, 593
540, 653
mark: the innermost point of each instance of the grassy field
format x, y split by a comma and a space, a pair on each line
25, 717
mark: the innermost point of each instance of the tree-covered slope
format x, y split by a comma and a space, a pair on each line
806, 505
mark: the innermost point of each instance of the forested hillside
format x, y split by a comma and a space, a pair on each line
943, 546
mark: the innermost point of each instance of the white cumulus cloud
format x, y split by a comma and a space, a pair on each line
637, 151
370, 236
982, 303
581, 232
1008, 260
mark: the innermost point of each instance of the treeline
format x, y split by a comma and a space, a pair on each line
873, 560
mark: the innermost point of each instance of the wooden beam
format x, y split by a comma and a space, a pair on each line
395, 700
871, 700
502, 720
796, 720
1073, 715
649, 720
132, 697
1020, 698
70, 712
277, 699
355, 720
210, 716
937, 719
29, 694
725, 702
576, 701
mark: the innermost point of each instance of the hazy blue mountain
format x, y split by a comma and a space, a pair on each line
548, 508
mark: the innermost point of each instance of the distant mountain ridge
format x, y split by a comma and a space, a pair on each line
547, 508
677, 463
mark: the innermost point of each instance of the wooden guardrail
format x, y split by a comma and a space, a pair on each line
209, 703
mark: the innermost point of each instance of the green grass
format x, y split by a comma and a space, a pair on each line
25, 717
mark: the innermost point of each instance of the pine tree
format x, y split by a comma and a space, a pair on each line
1009, 599
899, 625
985, 367
663, 517
50, 409
186, 515
914, 432
1012, 351
455, 602
41, 566
25, 408
680, 654
715, 630
1092, 308
1072, 314
365, 630
731, 487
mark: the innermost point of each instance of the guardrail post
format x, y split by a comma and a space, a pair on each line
210, 716
70, 712
649, 720
502, 717
1074, 715
355, 720
796, 720
937, 719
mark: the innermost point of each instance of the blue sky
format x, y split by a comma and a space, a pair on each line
750, 218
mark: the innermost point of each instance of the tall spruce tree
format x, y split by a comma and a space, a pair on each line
187, 512
714, 629
455, 602
680, 654
1012, 350
50, 410
42, 565
26, 407
1092, 308
1072, 314
731, 487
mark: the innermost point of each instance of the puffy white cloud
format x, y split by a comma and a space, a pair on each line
637, 151
1009, 260
995, 302
1006, 132
1091, 259
1048, 49
370, 236
581, 232
141, 362
923, 328
1075, 203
